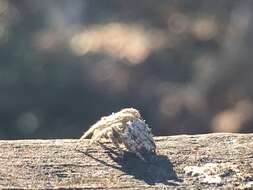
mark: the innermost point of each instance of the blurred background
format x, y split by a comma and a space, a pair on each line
186, 65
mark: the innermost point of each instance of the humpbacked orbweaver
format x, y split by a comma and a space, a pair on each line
124, 127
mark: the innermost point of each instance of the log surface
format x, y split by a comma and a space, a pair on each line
184, 161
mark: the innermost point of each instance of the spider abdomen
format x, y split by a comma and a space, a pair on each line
137, 137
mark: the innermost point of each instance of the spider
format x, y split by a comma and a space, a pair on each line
124, 127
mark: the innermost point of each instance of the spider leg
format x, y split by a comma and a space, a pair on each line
117, 134
112, 135
88, 134
98, 134
94, 133
140, 156
109, 133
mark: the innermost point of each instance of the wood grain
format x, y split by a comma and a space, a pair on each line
47, 164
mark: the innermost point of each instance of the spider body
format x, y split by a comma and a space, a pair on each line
124, 127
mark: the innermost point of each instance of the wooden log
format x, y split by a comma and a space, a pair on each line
207, 161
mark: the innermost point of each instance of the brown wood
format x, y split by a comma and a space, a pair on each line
56, 164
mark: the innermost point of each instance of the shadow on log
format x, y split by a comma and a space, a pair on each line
157, 169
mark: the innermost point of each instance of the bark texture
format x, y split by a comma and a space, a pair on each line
184, 161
